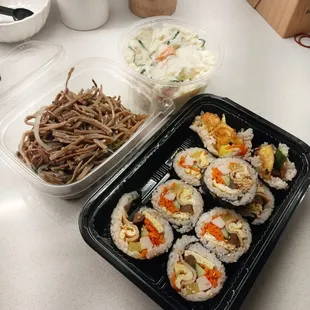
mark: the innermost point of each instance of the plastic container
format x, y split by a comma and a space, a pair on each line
180, 92
135, 96
154, 166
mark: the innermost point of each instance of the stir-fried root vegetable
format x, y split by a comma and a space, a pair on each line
260, 209
180, 203
225, 233
194, 272
273, 165
220, 139
232, 180
76, 133
142, 233
190, 164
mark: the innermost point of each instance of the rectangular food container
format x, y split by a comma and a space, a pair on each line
40, 88
154, 166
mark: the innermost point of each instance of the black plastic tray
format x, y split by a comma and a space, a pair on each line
154, 166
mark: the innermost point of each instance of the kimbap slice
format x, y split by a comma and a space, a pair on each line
220, 139
144, 236
273, 165
260, 209
225, 233
190, 164
231, 179
194, 272
181, 204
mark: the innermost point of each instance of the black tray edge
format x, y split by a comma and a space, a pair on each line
236, 299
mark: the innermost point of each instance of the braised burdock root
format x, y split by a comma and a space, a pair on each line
76, 133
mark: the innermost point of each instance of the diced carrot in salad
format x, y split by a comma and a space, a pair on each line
170, 50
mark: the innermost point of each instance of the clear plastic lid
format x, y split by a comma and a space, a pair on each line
38, 83
24, 65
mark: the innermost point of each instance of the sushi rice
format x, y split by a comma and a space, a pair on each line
190, 164
189, 259
122, 229
261, 160
260, 209
220, 139
225, 233
181, 204
231, 179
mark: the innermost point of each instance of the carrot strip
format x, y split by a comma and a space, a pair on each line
217, 175
143, 253
156, 237
167, 52
212, 230
172, 280
243, 149
182, 164
213, 275
168, 204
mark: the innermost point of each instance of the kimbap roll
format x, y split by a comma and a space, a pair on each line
220, 139
273, 165
225, 233
260, 209
146, 236
181, 204
190, 164
231, 179
194, 272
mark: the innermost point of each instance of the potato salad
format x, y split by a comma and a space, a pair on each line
170, 53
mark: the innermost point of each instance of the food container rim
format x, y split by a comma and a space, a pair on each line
166, 107
152, 20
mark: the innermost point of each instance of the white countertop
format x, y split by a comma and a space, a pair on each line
45, 264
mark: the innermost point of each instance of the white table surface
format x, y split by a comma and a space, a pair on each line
45, 264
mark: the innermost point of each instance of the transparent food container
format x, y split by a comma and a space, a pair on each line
180, 92
22, 101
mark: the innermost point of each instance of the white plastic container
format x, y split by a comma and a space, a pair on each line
83, 14
40, 88
180, 92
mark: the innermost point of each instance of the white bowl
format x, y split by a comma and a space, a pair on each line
11, 31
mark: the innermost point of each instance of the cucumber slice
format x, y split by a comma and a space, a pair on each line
173, 37
203, 42
226, 179
144, 231
199, 270
225, 233
279, 160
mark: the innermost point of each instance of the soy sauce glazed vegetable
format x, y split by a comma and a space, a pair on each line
76, 133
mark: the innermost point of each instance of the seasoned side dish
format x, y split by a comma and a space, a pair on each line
194, 272
225, 233
143, 234
219, 138
76, 133
170, 53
